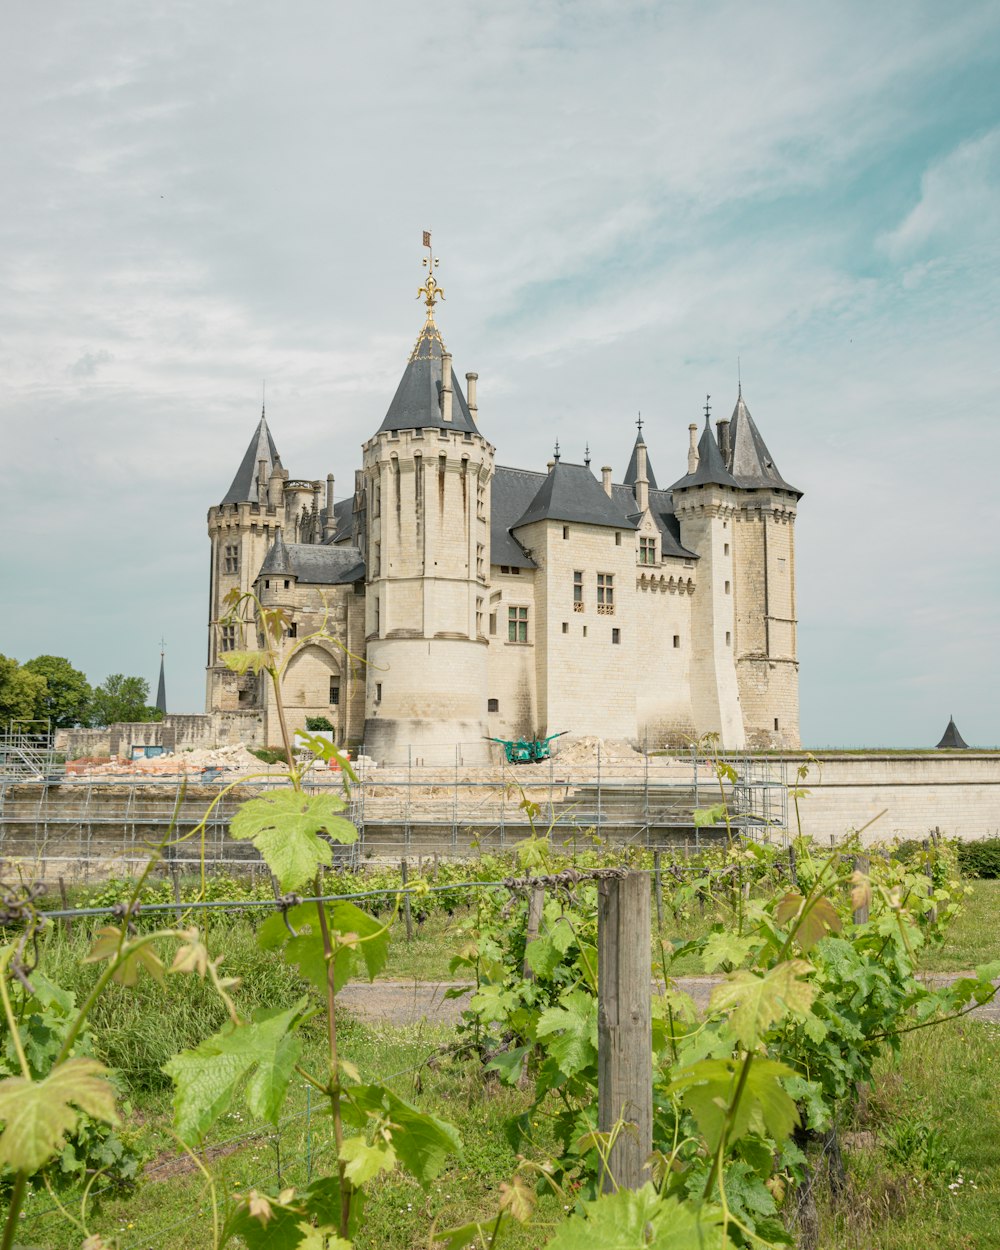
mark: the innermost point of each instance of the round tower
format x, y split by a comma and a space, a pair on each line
426, 503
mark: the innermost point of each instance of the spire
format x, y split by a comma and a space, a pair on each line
711, 468
749, 460
161, 688
277, 562
261, 447
633, 465
952, 739
419, 401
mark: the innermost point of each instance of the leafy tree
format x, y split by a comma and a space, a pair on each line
66, 701
121, 698
21, 693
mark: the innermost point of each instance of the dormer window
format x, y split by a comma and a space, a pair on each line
647, 550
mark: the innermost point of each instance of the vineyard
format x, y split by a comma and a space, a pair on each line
184, 1069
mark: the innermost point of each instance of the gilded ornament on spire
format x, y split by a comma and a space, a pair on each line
430, 291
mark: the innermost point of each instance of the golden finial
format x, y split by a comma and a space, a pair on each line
430, 290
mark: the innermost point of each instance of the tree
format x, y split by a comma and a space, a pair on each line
21, 693
121, 698
66, 701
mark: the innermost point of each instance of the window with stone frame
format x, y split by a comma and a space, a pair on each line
334, 691
231, 558
480, 499
647, 550
578, 590
479, 618
606, 594
517, 624
228, 638
481, 562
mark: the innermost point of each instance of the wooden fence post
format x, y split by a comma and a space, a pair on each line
624, 1027
404, 869
536, 905
862, 863
929, 869
67, 920
658, 878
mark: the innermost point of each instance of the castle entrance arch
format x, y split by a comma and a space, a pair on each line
314, 686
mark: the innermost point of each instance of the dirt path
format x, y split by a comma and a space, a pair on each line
407, 1002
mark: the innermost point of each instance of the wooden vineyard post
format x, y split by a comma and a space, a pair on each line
862, 863
67, 920
624, 1027
404, 869
929, 870
536, 905
658, 879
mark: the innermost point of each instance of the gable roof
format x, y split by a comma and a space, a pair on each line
711, 468
749, 460
570, 492
313, 563
261, 447
633, 466
417, 402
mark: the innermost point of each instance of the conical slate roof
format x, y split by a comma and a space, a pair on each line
711, 468
277, 561
570, 492
750, 462
417, 402
633, 466
952, 740
244, 487
161, 690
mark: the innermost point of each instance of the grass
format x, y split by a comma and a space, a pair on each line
973, 937
931, 1120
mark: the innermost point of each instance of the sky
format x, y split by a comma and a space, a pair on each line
626, 198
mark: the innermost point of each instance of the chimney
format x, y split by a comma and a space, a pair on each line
330, 525
722, 429
549, 465
446, 387
470, 391
262, 481
606, 479
641, 480
276, 486
317, 527
693, 449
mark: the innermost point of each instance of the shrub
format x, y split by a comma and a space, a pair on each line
980, 859
317, 724
270, 755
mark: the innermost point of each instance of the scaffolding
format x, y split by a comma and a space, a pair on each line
81, 826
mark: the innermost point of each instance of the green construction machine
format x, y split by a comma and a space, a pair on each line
527, 750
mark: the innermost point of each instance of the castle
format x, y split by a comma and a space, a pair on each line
473, 600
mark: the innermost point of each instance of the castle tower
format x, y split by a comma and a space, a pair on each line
422, 509
766, 653
241, 529
706, 501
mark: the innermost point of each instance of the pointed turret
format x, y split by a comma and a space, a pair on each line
633, 465
245, 487
711, 468
277, 562
161, 690
749, 460
952, 740
428, 395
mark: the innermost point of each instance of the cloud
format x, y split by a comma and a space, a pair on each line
89, 363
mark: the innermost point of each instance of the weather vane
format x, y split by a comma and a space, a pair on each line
586, 455
708, 410
639, 424
557, 452
430, 291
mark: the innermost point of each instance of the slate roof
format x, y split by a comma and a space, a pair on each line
511, 491
313, 564
161, 690
952, 740
750, 462
244, 487
417, 402
343, 515
570, 492
711, 468
633, 466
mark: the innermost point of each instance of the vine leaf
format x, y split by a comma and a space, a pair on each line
207, 1078
726, 948
284, 826
422, 1142
39, 1114
820, 918
708, 1088
518, 1199
628, 1220
757, 1002
242, 661
572, 1029
127, 973
706, 816
305, 949
364, 1161
467, 1234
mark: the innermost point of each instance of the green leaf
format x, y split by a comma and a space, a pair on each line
820, 919
572, 1029
542, 956
422, 1142
756, 1002
465, 1235
284, 825
37, 1115
207, 1078
364, 1161
725, 948
127, 973
509, 1064
641, 1220
242, 661
708, 1090
704, 816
